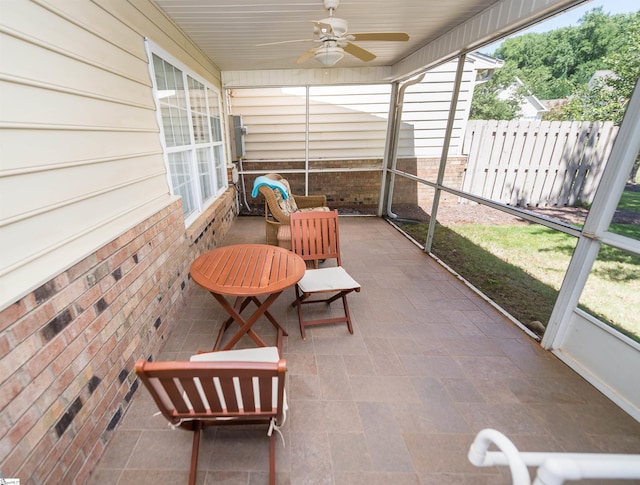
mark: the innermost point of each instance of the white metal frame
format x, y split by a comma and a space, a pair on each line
552, 468
603, 356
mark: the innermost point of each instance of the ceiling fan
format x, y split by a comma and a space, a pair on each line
335, 40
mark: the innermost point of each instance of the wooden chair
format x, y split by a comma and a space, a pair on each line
276, 210
315, 236
220, 388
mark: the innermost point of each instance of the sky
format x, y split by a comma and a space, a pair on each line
572, 17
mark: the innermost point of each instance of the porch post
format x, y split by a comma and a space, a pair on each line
393, 135
445, 152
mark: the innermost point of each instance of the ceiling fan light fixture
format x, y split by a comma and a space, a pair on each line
329, 55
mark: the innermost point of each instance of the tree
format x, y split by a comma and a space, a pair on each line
559, 65
606, 98
487, 106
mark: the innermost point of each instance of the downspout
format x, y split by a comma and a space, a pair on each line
388, 150
445, 152
393, 135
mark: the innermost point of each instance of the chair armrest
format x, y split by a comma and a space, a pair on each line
308, 201
271, 205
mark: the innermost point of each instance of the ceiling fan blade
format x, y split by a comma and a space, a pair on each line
384, 36
285, 42
306, 56
359, 52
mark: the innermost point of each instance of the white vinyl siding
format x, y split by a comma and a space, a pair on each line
189, 113
350, 122
81, 158
425, 112
345, 122
275, 119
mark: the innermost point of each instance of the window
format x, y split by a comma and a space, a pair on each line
191, 132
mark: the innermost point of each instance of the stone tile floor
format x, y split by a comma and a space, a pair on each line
399, 402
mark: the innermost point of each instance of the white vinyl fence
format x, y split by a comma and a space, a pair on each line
536, 163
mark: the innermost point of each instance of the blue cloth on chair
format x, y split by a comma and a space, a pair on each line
274, 184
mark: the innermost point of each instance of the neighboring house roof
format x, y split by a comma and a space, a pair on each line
530, 106
484, 65
600, 76
554, 103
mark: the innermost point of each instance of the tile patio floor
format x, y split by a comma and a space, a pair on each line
399, 402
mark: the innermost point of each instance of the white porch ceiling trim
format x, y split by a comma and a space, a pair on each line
304, 77
504, 17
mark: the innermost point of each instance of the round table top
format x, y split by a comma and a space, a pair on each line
247, 269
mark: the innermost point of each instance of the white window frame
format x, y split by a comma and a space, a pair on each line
217, 160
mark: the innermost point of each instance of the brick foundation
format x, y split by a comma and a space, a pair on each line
408, 192
67, 349
361, 189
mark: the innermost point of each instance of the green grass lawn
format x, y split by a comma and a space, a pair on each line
613, 289
491, 258
521, 268
630, 201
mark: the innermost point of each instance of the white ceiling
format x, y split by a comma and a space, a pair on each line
228, 31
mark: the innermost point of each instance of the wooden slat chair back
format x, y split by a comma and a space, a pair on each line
275, 217
315, 236
193, 395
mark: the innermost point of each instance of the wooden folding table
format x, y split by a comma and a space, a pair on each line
247, 271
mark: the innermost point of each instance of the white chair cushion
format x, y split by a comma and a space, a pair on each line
314, 209
327, 279
259, 354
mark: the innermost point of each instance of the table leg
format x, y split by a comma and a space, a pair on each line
247, 324
273, 321
244, 324
281, 332
240, 304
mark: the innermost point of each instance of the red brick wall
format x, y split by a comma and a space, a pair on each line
361, 189
67, 350
410, 192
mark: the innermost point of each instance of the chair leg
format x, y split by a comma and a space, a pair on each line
301, 299
298, 303
272, 459
194, 453
347, 314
